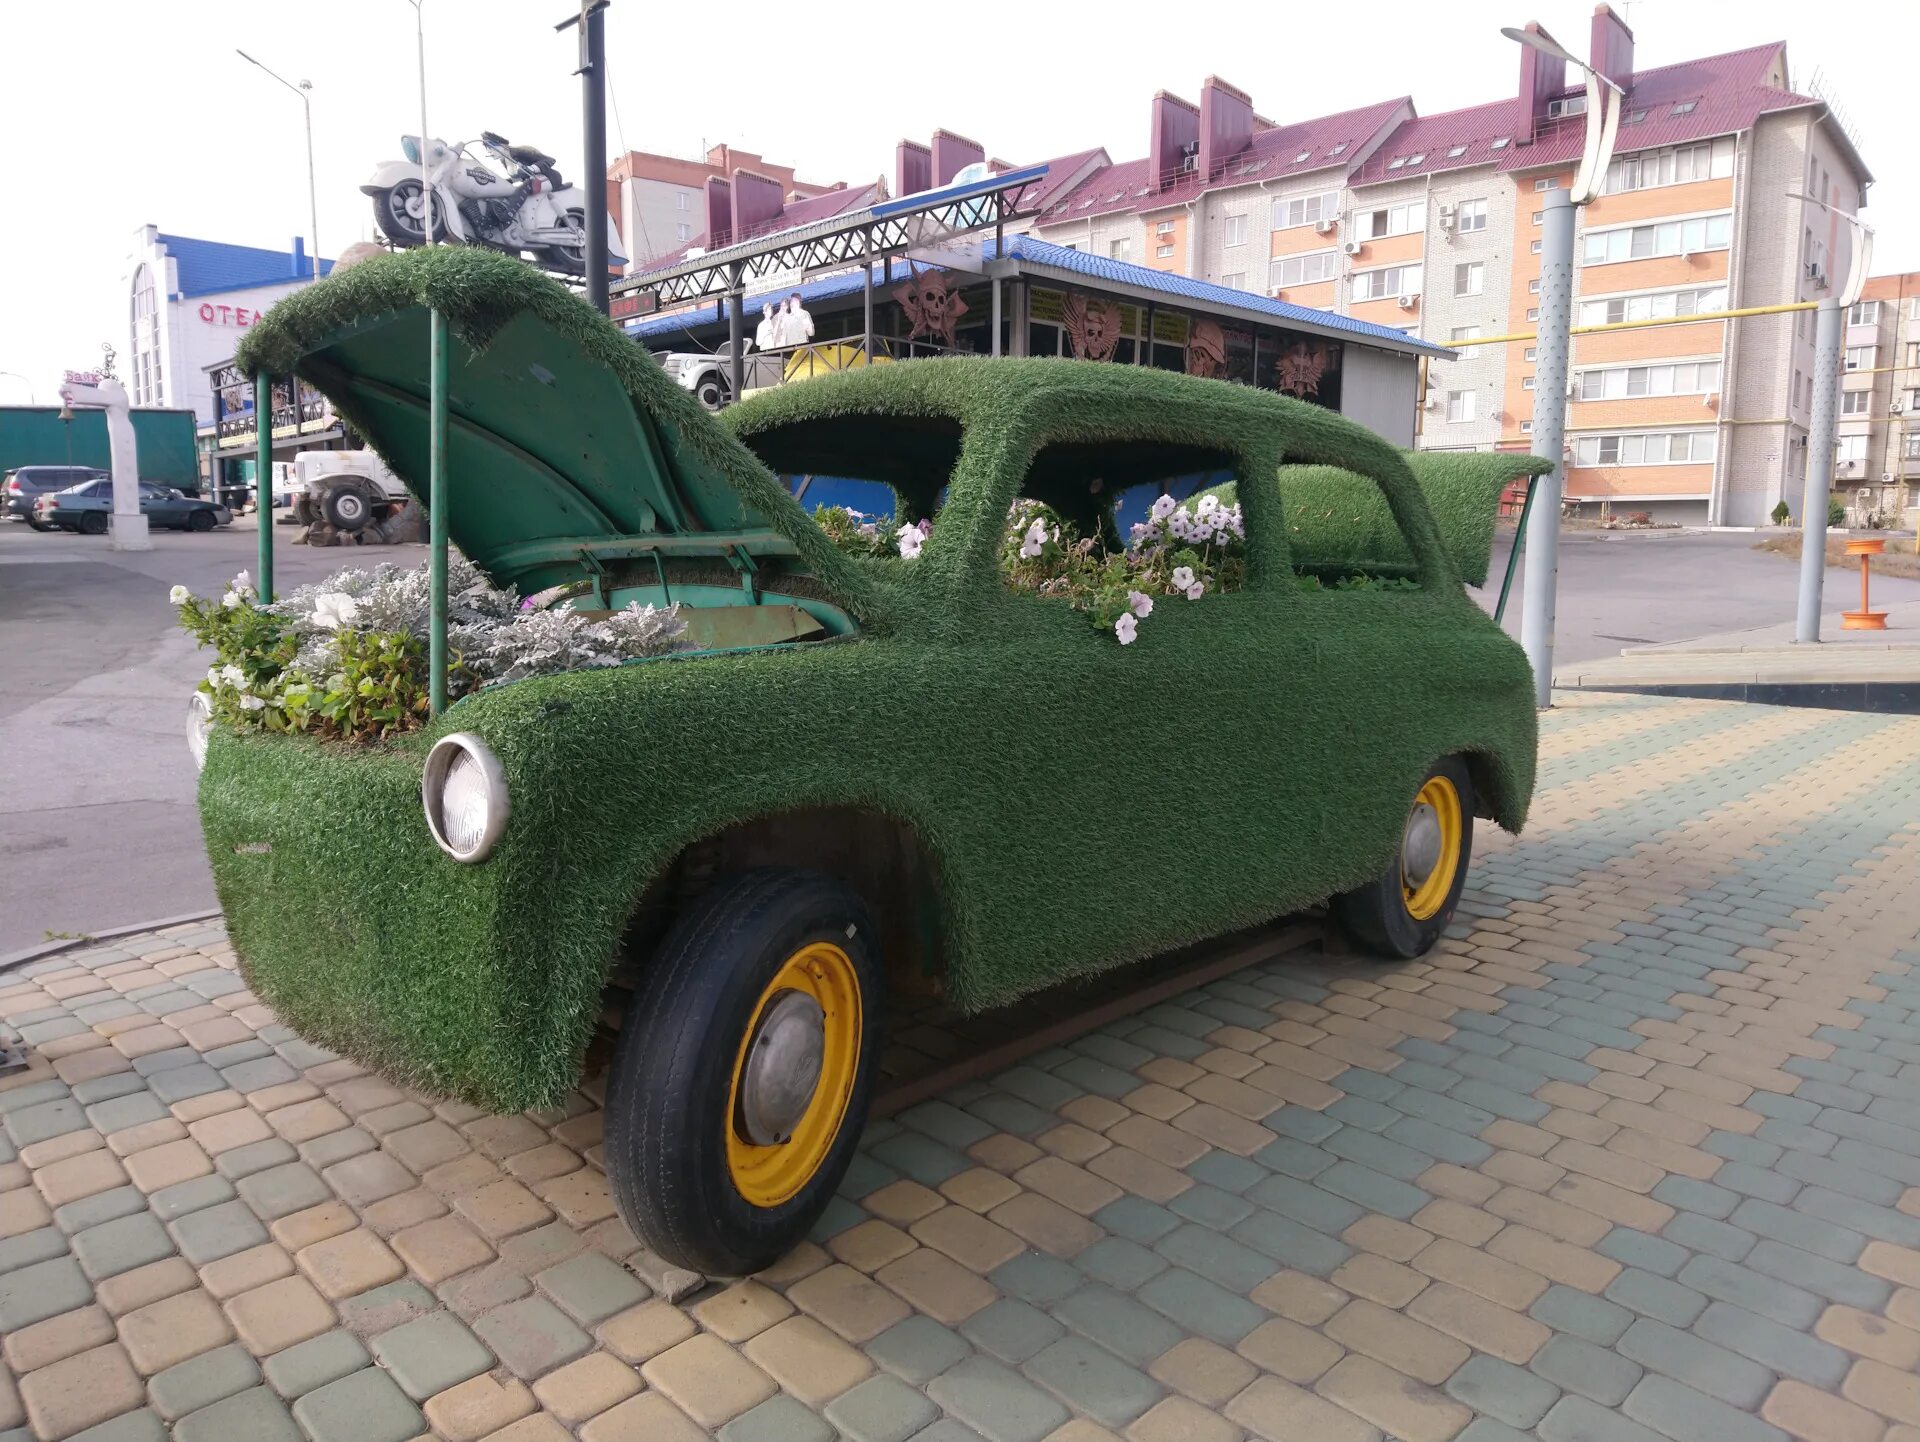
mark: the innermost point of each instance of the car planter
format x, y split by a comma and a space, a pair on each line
868, 773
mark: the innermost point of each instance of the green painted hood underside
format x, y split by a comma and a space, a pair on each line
567, 445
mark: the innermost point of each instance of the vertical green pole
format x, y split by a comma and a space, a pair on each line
437, 513
263, 479
1513, 556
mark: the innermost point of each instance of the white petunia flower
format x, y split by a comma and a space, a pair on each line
1125, 628
1196, 590
252, 703
243, 583
1163, 507
1208, 505
1182, 577
232, 676
1140, 603
1202, 531
335, 611
213, 677
232, 600
179, 596
911, 540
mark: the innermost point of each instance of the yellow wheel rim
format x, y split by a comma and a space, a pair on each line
769, 1175
1437, 806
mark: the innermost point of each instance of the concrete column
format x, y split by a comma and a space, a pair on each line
1541, 585
1828, 334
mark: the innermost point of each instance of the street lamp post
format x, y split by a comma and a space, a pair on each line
1542, 540
32, 399
1829, 332
304, 90
426, 177
593, 89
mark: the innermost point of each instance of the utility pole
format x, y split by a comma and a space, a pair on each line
305, 91
593, 90
426, 175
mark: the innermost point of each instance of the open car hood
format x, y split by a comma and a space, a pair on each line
568, 447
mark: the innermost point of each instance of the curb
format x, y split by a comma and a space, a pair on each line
50, 948
1881, 698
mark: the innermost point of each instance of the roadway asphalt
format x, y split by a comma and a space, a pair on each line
97, 820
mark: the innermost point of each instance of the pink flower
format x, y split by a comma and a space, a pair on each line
1196, 590
1125, 629
1140, 603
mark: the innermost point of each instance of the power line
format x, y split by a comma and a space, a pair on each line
621, 130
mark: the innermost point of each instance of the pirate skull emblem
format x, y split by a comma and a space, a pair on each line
932, 304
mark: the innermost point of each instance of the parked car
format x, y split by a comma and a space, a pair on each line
21, 487
87, 507
868, 775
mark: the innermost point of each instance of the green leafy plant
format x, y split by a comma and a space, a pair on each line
1780, 513
1836, 513
379, 689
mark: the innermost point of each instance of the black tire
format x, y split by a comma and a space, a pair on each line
199, 520
670, 1116
571, 259
93, 523
40, 525
347, 507
1378, 916
302, 510
390, 215
711, 392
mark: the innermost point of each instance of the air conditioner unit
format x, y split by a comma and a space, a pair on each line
1326, 227
1354, 247
1446, 217
1408, 302
1432, 401
1816, 274
1189, 163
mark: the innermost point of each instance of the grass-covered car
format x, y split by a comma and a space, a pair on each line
866, 773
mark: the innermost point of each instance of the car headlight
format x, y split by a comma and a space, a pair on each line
199, 727
464, 793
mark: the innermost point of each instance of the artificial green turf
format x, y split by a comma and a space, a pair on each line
1082, 804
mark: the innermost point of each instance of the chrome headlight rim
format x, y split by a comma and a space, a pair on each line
433, 785
199, 728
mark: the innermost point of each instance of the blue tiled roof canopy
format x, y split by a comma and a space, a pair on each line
209, 267
1037, 252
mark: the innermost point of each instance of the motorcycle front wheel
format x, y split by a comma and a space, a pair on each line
571, 258
400, 214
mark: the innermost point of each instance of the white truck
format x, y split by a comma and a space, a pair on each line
347, 490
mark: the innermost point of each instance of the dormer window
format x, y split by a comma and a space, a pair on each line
1302, 156
1502, 143
1685, 107
1337, 149
1456, 152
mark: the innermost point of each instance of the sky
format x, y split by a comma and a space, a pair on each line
128, 112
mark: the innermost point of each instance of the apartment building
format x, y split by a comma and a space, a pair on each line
658, 202
1877, 464
1430, 224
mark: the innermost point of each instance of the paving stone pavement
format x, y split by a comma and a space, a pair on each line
1634, 1155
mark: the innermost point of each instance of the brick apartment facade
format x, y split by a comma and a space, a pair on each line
1879, 425
659, 202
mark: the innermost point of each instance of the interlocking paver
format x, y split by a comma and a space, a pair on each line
364, 1406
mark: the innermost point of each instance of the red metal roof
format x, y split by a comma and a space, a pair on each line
1278, 151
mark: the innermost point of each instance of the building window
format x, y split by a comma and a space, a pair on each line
1165, 227
1533, 286
1530, 353
1536, 216
1470, 278
1534, 249
1392, 220
1913, 354
1163, 252
1685, 107
1234, 280
1301, 210
1696, 300
1710, 160
1855, 403
1850, 449
1456, 151
149, 388
1459, 406
1527, 383
1305, 269
1548, 184
1236, 230
1860, 357
1913, 448
1572, 105
1388, 281
1533, 312
1526, 428
1913, 308
1645, 448
1668, 237
1121, 249
682, 201
1465, 333
1472, 215
683, 231
1681, 378
1864, 312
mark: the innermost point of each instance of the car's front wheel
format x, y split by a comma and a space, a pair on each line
744, 1069
1400, 913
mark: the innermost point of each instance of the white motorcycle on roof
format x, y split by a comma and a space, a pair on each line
529, 208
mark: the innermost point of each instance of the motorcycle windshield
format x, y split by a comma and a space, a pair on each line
569, 450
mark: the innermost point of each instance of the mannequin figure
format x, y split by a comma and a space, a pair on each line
767, 336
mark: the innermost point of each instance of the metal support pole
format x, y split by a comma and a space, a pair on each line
263, 479
426, 172
437, 513
1827, 336
1542, 579
994, 347
593, 78
1513, 556
313, 201
736, 336
866, 297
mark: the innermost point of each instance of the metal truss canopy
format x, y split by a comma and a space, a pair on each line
860, 236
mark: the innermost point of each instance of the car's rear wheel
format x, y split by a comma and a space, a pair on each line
1401, 913
38, 525
346, 506
743, 1072
93, 523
